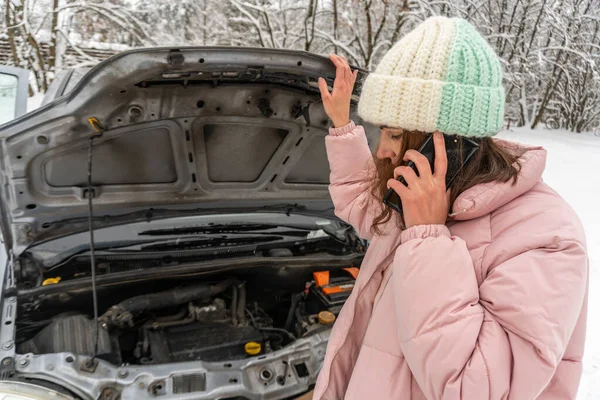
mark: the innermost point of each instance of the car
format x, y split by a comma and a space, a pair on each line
169, 231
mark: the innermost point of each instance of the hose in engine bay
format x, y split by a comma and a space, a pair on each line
121, 315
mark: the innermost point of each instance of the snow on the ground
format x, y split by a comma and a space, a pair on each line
572, 170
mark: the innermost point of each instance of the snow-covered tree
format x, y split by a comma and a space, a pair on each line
39, 32
550, 49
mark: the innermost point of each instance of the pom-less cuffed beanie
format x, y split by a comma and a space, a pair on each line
442, 76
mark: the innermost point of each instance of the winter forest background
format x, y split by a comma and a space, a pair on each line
550, 48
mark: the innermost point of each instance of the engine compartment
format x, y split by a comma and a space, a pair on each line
221, 317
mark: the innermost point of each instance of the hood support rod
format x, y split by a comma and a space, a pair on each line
98, 131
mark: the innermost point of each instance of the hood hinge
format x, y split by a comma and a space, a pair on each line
175, 58
298, 110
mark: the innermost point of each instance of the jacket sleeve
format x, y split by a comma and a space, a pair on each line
351, 163
500, 340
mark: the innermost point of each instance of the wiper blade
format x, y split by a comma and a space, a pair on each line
231, 229
206, 229
198, 243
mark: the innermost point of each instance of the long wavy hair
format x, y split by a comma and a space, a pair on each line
492, 162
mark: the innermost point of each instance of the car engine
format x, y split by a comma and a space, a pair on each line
228, 319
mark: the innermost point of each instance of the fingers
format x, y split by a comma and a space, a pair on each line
408, 174
440, 165
420, 161
336, 60
398, 187
352, 75
347, 70
343, 69
340, 71
325, 95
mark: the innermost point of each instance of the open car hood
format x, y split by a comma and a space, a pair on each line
190, 130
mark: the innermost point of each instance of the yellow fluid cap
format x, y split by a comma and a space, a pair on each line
326, 318
252, 348
51, 281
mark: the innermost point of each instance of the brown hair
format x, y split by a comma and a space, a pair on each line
492, 162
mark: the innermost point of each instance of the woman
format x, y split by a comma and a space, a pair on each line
476, 292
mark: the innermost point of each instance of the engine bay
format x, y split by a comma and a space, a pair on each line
223, 317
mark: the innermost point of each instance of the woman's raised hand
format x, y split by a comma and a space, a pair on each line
337, 103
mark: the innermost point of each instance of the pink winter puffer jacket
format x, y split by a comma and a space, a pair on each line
491, 306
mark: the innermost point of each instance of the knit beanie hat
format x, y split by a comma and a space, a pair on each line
442, 76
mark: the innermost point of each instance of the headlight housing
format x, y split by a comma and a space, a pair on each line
14, 390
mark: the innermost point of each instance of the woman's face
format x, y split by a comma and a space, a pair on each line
390, 140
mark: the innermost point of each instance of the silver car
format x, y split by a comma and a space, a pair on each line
168, 229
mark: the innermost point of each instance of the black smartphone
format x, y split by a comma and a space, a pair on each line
459, 151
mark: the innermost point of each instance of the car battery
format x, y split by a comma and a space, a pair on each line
331, 289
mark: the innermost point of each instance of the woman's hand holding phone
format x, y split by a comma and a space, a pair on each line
337, 103
425, 200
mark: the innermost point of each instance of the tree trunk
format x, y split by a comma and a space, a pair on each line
11, 34
369, 52
551, 88
335, 25
400, 22
54, 37
10, 31
309, 33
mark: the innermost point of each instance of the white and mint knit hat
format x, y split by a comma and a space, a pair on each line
442, 76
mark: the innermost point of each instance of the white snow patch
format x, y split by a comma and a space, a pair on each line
34, 101
98, 45
572, 170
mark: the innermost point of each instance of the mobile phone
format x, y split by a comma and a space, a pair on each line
459, 152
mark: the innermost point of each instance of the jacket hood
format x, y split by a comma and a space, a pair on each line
185, 131
488, 197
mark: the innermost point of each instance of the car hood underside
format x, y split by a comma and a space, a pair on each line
180, 130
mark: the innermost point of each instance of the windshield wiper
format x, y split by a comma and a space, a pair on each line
196, 243
224, 228
165, 250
